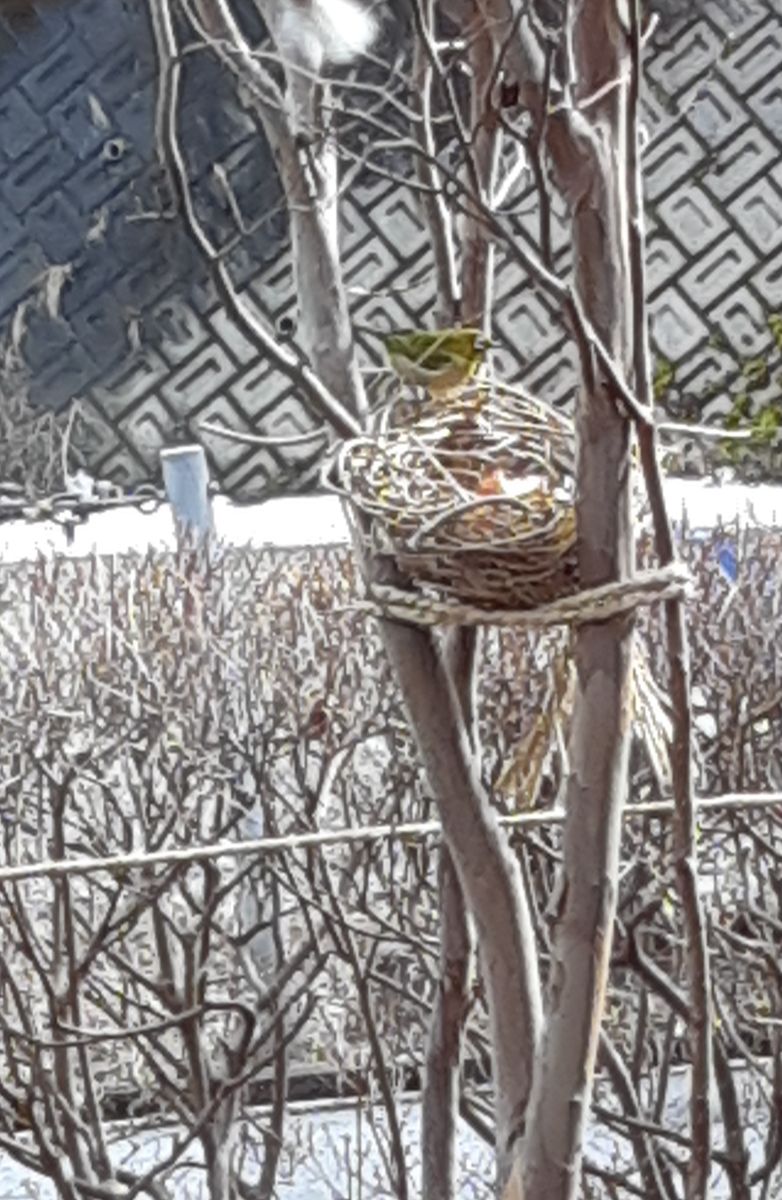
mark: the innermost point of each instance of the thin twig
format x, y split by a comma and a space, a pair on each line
700, 1017
254, 439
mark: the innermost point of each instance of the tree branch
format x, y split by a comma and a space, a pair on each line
699, 1016
169, 76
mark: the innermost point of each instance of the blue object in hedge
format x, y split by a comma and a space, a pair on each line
726, 557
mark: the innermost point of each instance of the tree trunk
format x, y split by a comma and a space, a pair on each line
217, 1144
309, 178
471, 303
487, 873
434, 206
440, 1101
306, 155
484, 866
477, 244
594, 182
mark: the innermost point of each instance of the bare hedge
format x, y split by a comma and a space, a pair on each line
169, 700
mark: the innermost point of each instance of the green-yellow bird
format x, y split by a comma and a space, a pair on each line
441, 361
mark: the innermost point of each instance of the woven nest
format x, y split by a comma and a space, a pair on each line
471, 497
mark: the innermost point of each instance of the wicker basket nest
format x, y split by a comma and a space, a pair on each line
472, 497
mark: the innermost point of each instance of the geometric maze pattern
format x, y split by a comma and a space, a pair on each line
714, 189
141, 340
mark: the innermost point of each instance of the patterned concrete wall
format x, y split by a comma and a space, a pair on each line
106, 301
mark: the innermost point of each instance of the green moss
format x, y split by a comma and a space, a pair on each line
753, 388
741, 410
756, 372
663, 378
766, 424
730, 453
775, 325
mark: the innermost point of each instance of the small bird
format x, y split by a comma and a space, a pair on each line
441, 361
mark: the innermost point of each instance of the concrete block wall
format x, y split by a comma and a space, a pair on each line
139, 338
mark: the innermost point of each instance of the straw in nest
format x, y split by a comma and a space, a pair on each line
472, 497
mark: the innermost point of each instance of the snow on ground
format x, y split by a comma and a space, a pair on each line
332, 1153
318, 521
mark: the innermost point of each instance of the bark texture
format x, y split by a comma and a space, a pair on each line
477, 246
487, 873
440, 1100
591, 173
296, 123
700, 1017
